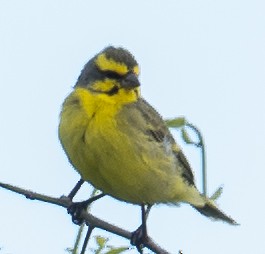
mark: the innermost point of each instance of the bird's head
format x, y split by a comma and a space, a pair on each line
113, 74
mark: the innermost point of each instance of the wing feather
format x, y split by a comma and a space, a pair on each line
153, 126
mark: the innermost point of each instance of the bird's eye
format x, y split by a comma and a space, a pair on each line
112, 75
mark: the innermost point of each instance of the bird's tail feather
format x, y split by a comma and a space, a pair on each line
212, 211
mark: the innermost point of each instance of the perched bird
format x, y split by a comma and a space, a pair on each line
120, 144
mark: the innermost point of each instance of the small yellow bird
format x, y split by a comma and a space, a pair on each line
120, 144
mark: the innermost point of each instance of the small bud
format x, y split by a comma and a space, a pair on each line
101, 241
175, 122
217, 193
186, 137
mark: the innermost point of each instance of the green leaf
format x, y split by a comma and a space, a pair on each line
117, 250
176, 122
101, 241
186, 137
217, 193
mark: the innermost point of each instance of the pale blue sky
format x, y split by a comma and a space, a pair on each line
201, 59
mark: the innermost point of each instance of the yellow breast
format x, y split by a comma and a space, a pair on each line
91, 138
113, 154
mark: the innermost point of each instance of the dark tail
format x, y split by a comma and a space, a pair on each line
210, 210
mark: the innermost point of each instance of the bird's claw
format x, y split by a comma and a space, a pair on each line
75, 209
138, 238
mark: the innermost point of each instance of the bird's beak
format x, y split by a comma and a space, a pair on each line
130, 81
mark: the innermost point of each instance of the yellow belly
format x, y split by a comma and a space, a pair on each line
113, 156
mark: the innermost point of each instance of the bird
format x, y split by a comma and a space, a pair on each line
120, 144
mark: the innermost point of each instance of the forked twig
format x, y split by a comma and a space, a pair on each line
90, 219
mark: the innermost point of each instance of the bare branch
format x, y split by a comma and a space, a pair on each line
91, 220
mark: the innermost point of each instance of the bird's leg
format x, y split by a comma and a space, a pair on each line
139, 236
77, 207
75, 189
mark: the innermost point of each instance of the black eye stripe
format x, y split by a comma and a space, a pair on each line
113, 91
112, 75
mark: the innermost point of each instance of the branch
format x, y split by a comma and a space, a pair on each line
203, 156
88, 217
181, 122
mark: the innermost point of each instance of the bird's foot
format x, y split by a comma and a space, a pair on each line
138, 238
75, 209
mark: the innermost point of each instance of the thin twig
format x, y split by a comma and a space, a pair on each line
75, 189
88, 234
88, 217
78, 238
203, 156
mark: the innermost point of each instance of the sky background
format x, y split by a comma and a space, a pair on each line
204, 60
